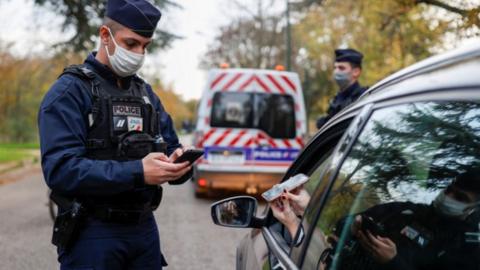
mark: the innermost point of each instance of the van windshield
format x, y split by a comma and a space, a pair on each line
272, 113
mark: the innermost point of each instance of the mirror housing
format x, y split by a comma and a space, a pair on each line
236, 212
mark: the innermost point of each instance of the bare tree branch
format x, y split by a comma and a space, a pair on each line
472, 16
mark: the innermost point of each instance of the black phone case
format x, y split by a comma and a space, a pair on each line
190, 155
369, 224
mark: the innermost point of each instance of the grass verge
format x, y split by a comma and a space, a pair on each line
16, 152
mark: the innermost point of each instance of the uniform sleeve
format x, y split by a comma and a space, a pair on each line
165, 123
62, 122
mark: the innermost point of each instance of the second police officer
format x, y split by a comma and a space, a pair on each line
347, 71
98, 124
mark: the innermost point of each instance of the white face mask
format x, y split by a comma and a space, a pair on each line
124, 62
453, 208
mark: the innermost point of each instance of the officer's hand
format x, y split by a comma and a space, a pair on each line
176, 154
382, 249
158, 169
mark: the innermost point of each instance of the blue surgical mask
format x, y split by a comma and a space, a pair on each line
453, 208
124, 62
342, 78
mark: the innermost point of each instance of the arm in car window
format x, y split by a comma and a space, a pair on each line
289, 208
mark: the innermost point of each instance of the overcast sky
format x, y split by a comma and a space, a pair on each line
33, 29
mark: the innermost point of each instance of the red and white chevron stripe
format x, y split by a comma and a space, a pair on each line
249, 80
228, 137
270, 83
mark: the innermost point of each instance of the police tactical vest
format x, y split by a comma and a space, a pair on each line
122, 123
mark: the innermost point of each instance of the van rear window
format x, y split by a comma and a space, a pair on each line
232, 110
272, 113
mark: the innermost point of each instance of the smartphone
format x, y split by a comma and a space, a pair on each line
190, 155
369, 224
290, 184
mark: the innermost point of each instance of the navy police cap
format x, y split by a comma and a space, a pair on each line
140, 16
349, 55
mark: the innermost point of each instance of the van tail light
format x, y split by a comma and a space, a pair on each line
202, 182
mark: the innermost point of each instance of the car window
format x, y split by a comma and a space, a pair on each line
407, 195
279, 231
315, 184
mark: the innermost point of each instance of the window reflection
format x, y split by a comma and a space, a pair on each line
398, 183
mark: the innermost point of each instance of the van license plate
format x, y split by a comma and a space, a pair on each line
226, 159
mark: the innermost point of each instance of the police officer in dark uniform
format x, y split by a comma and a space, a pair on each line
442, 235
107, 145
348, 68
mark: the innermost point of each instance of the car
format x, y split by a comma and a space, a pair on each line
393, 180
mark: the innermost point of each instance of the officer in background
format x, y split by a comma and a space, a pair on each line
98, 126
348, 68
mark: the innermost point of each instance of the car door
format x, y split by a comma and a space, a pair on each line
386, 206
313, 162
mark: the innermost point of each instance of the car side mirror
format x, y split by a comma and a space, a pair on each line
237, 212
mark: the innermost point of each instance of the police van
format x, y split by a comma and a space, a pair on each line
252, 125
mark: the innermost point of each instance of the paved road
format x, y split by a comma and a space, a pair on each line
189, 239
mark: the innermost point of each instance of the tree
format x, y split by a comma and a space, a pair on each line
254, 40
391, 34
85, 17
21, 95
178, 109
467, 10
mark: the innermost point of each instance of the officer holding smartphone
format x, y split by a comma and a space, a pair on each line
98, 127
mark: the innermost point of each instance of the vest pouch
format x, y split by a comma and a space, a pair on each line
135, 145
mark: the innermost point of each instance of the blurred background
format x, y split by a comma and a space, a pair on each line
38, 38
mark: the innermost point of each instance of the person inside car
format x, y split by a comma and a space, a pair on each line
405, 235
